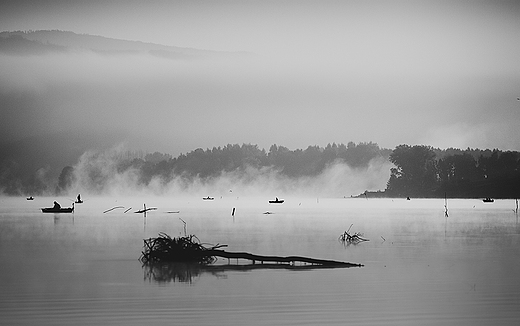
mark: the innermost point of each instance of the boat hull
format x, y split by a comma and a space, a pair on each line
58, 210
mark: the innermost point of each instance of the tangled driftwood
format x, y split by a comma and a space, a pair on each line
189, 249
183, 249
355, 238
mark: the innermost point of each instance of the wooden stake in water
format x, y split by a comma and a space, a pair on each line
445, 214
184, 226
445, 205
516, 211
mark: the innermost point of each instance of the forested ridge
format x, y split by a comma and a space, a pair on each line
418, 171
203, 165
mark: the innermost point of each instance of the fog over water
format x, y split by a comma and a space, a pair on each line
287, 72
97, 174
174, 76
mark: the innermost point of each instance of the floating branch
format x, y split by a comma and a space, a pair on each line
144, 210
189, 249
111, 209
355, 238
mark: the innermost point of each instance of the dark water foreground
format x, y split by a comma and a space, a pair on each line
420, 268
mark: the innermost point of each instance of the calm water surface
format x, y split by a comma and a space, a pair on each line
420, 268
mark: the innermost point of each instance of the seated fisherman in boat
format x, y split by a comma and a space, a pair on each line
56, 205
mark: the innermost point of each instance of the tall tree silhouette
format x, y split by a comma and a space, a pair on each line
415, 173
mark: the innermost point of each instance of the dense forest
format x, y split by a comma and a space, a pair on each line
422, 171
418, 171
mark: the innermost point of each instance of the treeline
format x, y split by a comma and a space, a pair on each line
292, 163
419, 171
422, 171
210, 163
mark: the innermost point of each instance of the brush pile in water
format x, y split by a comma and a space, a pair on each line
182, 249
188, 249
348, 238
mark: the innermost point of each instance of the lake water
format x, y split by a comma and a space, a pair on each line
420, 268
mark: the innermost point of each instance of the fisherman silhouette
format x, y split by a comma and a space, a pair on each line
56, 205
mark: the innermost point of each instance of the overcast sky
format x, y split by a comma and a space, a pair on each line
439, 73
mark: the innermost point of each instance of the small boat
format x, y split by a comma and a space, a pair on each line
30, 198
208, 198
488, 200
277, 201
58, 209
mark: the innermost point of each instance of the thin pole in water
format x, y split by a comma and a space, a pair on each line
184, 225
445, 205
445, 215
144, 217
516, 210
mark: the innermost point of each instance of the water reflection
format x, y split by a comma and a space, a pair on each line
60, 219
188, 272
175, 272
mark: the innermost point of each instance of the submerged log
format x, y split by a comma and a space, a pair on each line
278, 259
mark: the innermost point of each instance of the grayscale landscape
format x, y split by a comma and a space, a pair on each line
259, 162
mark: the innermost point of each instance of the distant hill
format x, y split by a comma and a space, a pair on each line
45, 41
18, 45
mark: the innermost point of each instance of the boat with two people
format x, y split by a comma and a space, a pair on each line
58, 209
488, 200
